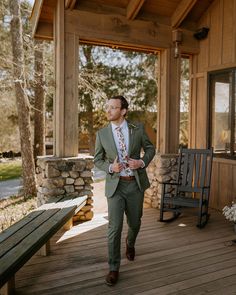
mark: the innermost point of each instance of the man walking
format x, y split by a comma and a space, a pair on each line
117, 152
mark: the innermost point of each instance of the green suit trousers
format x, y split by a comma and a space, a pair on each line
127, 199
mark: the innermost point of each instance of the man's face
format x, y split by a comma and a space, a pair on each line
113, 110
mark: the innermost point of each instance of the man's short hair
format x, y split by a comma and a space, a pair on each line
123, 101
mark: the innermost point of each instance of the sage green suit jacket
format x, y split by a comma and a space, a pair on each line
106, 152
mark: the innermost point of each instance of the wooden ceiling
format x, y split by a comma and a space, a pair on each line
173, 13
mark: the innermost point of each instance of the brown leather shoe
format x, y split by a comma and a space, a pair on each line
112, 278
130, 251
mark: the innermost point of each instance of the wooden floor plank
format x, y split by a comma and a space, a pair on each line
142, 266
173, 258
220, 286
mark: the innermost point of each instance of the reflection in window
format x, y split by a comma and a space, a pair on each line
222, 116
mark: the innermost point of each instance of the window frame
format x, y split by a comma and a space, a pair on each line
232, 104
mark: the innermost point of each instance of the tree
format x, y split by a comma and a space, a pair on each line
9, 133
39, 101
8, 113
87, 101
105, 72
22, 101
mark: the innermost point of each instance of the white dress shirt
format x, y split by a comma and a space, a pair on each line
125, 130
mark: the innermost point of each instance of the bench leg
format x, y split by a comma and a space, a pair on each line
45, 250
9, 287
69, 224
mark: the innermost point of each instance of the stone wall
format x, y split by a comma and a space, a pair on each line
162, 168
73, 177
65, 176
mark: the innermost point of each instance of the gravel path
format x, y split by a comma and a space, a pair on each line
13, 209
10, 187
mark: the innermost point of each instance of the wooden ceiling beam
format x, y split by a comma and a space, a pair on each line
181, 12
105, 29
133, 8
35, 15
44, 31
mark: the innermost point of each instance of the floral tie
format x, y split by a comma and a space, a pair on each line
123, 151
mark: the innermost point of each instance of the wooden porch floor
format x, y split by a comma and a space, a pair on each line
172, 258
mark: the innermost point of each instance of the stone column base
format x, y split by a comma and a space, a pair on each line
65, 176
162, 168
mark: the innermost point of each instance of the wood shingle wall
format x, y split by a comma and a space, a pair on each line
217, 51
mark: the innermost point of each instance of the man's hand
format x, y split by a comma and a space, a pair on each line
135, 164
116, 166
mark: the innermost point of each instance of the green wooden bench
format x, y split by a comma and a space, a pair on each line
22, 240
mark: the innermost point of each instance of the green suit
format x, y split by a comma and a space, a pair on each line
123, 196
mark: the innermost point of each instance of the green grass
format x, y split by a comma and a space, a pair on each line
10, 170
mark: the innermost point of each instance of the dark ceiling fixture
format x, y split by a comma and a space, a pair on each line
201, 33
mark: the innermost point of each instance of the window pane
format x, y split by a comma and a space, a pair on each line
221, 113
184, 102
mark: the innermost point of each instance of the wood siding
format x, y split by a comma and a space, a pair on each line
217, 51
223, 186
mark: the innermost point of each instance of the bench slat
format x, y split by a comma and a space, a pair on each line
21, 223
18, 256
17, 226
33, 223
22, 233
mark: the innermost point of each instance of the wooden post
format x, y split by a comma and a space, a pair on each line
9, 287
45, 250
69, 224
66, 93
169, 102
71, 95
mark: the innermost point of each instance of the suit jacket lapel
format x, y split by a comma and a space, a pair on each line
111, 139
131, 138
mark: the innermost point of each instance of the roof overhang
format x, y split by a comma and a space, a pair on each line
170, 14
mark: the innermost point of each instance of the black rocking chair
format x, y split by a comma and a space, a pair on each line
192, 186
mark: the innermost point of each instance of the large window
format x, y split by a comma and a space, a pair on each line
223, 112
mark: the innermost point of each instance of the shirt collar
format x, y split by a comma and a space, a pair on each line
123, 125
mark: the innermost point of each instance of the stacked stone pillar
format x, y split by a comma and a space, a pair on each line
73, 177
66, 176
162, 168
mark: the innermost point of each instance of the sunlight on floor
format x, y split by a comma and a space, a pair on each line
98, 220
182, 225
